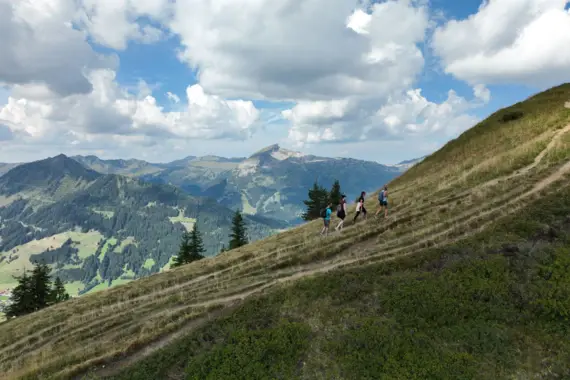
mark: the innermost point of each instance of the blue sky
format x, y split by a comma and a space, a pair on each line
322, 77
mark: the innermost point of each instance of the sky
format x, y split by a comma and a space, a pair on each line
164, 79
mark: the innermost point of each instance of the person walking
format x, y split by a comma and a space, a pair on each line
360, 207
383, 202
327, 219
341, 212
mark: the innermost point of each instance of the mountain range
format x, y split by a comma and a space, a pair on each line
102, 229
103, 222
272, 182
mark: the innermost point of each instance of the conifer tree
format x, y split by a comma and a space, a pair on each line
318, 199
191, 247
335, 194
196, 245
41, 286
183, 251
238, 236
22, 299
58, 293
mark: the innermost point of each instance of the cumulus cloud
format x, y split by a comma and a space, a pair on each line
39, 45
402, 116
348, 67
508, 41
113, 23
309, 50
111, 110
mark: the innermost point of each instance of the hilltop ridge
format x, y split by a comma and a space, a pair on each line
465, 279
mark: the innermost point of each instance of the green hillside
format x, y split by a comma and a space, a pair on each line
467, 279
100, 230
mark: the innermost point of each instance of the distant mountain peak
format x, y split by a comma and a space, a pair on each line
43, 173
277, 153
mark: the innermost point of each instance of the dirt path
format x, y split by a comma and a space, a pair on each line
232, 301
537, 159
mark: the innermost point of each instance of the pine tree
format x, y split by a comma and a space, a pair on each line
335, 194
58, 293
318, 199
183, 251
238, 236
21, 300
196, 245
41, 286
191, 248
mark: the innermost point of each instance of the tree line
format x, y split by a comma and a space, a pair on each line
192, 246
319, 198
35, 292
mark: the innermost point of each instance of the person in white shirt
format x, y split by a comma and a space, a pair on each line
360, 207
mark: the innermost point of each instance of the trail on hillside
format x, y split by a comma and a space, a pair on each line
537, 160
229, 302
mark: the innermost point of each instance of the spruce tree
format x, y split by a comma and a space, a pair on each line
41, 286
183, 251
196, 245
22, 299
191, 248
335, 194
238, 236
58, 293
318, 199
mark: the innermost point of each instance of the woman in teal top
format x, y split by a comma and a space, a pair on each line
327, 220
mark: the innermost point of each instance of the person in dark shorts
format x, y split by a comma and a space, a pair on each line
360, 206
327, 219
383, 201
341, 212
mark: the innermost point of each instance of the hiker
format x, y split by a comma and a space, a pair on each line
360, 206
383, 201
341, 212
326, 219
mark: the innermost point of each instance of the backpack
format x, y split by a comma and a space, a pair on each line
381, 195
323, 213
339, 208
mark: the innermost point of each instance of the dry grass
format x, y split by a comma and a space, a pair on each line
492, 170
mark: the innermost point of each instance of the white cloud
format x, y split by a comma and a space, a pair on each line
113, 23
348, 67
509, 41
40, 46
400, 117
173, 97
112, 111
300, 50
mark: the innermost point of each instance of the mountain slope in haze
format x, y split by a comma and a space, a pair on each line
130, 167
271, 183
99, 230
470, 282
6, 167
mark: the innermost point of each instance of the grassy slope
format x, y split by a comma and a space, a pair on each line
475, 293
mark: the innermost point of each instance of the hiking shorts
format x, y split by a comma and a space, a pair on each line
327, 222
383, 203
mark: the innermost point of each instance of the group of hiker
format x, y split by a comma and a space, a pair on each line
342, 210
